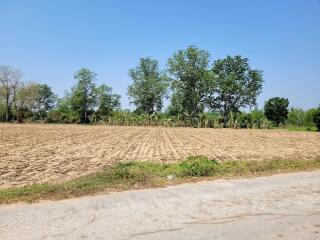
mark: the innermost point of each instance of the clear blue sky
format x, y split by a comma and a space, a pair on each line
50, 40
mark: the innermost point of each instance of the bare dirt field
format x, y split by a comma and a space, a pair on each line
33, 153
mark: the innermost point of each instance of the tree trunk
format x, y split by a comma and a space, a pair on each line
20, 115
84, 108
225, 116
224, 119
7, 109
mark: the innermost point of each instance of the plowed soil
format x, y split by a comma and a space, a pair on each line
34, 153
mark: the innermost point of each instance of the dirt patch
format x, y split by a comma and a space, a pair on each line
35, 153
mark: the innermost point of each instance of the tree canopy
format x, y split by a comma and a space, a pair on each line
276, 109
149, 86
107, 101
202, 93
233, 85
45, 100
83, 94
316, 118
189, 71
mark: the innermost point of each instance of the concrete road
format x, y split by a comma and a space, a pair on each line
285, 206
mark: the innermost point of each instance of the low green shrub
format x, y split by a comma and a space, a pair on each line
129, 172
198, 166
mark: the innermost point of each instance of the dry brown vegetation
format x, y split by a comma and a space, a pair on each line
34, 153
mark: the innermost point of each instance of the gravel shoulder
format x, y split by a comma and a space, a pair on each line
284, 206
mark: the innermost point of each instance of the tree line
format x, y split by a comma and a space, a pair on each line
18, 99
201, 93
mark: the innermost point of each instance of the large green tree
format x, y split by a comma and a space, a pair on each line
83, 95
276, 109
233, 85
189, 71
149, 86
46, 99
107, 101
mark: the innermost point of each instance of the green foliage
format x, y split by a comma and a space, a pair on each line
245, 120
309, 117
259, 120
175, 108
302, 128
276, 110
2, 111
56, 116
130, 173
257, 115
86, 102
199, 166
229, 86
45, 101
107, 101
253, 119
47, 98
209, 120
189, 69
296, 117
316, 118
149, 86
233, 85
301, 120
25, 100
64, 112
83, 95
